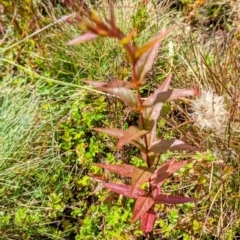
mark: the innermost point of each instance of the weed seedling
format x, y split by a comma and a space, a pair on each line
144, 135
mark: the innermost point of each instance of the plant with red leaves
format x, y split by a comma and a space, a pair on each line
144, 135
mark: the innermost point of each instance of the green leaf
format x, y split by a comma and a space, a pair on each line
197, 226
173, 216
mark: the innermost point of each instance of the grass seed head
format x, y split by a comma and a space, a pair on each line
209, 111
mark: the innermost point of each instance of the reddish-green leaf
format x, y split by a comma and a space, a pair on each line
125, 170
83, 38
150, 114
124, 190
114, 132
165, 170
156, 40
156, 191
128, 38
131, 134
140, 175
148, 220
97, 177
169, 199
139, 143
100, 27
163, 145
162, 88
120, 89
118, 133
145, 56
149, 157
96, 19
142, 205
169, 95
112, 18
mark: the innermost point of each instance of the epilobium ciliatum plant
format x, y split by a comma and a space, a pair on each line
144, 135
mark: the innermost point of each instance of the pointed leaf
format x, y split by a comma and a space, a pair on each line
128, 38
96, 177
166, 170
162, 88
150, 114
145, 56
142, 205
140, 175
124, 190
152, 135
148, 220
100, 27
125, 170
114, 132
163, 145
149, 157
169, 95
139, 143
131, 134
156, 40
83, 38
119, 89
112, 18
156, 191
118, 133
169, 199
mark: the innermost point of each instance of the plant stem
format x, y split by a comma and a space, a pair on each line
149, 236
144, 137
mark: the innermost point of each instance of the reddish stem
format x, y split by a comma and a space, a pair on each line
144, 137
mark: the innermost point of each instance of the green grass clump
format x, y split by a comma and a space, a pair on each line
29, 154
